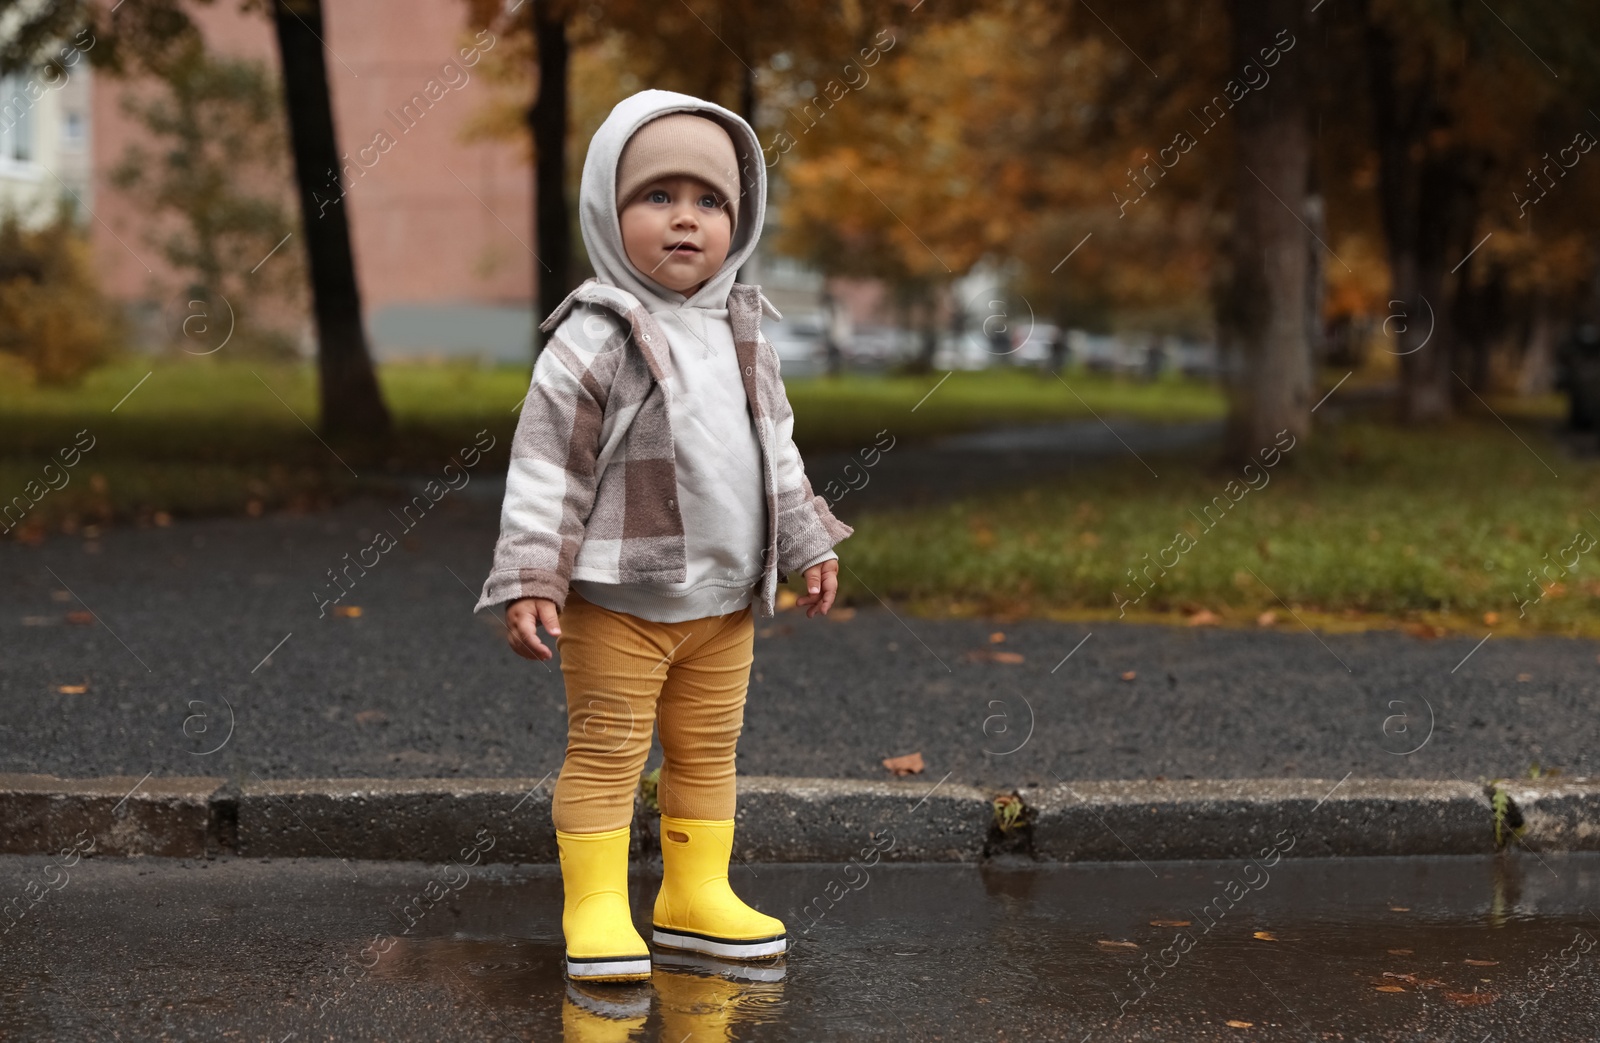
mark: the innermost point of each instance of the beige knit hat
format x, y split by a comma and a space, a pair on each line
680, 143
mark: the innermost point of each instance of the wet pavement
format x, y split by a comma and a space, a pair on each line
198, 650
1445, 949
952, 466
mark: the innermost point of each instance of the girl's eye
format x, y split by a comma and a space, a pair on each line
658, 195
709, 201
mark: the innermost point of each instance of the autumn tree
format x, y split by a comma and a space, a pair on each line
147, 37
580, 59
1464, 101
217, 166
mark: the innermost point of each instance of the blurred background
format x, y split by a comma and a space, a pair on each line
1055, 279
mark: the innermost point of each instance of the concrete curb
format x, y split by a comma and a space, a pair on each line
1110, 821
797, 819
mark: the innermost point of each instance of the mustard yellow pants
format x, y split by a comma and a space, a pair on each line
626, 675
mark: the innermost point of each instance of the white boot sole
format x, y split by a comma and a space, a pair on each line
632, 968
755, 948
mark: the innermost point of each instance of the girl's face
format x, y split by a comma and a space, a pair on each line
676, 231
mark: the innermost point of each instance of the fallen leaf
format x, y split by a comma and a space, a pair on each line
786, 599
777, 630
1400, 952
1204, 618
841, 613
1106, 943
1399, 908
997, 637
37, 621
1390, 988
1491, 618
1265, 936
1231, 1023
1128, 675
162, 519
371, 717
72, 689
1267, 619
80, 617
1482, 963
66, 595
1426, 631
347, 611
1169, 923
1524, 677
985, 655
1471, 999
907, 764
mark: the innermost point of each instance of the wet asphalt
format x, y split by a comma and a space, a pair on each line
1462, 949
198, 649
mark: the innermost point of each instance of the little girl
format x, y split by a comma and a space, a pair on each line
655, 498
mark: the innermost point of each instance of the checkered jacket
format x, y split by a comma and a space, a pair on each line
593, 480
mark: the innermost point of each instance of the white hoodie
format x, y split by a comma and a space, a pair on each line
718, 455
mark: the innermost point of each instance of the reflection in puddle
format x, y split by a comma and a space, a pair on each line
1498, 948
698, 997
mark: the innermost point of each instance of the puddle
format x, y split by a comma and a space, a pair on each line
1469, 949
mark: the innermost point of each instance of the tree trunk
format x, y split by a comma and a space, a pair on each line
751, 272
1427, 200
547, 119
930, 329
1396, 123
351, 404
1538, 372
1316, 268
1264, 319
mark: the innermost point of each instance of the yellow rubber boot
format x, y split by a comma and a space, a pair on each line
602, 944
696, 909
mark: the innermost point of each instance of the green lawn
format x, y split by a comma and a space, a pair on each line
203, 436
1365, 524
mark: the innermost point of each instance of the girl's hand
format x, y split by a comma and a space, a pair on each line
822, 583
523, 618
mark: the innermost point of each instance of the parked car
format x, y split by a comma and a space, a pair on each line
797, 338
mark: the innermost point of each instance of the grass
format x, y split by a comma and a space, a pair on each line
1360, 526
203, 436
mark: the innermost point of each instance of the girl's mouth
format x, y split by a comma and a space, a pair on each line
684, 248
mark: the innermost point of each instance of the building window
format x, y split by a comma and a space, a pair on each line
72, 131
16, 120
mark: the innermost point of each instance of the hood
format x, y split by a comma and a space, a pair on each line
597, 206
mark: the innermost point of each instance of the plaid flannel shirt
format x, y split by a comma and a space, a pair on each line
592, 485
